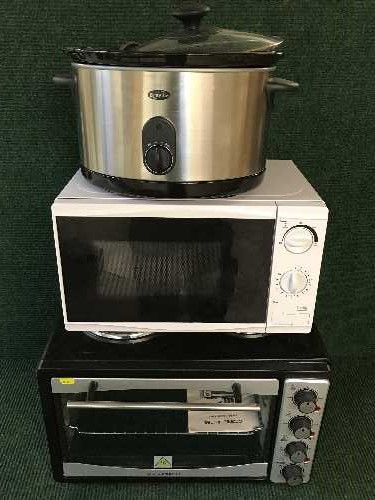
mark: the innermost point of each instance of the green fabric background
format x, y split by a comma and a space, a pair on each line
328, 129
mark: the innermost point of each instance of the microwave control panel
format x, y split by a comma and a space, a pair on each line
297, 256
300, 419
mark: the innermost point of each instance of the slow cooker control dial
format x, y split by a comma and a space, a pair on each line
299, 239
301, 427
297, 451
158, 159
293, 475
293, 281
305, 399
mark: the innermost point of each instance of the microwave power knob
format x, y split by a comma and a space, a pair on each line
293, 281
301, 427
297, 451
293, 474
305, 399
299, 239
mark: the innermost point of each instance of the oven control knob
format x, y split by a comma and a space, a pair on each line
292, 475
293, 281
305, 399
299, 239
297, 451
301, 427
158, 159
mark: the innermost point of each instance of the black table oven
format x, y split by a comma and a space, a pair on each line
184, 407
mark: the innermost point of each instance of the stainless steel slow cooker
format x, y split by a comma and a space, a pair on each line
180, 116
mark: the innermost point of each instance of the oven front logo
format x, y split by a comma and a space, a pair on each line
159, 94
163, 462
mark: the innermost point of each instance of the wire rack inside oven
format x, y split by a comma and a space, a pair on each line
137, 423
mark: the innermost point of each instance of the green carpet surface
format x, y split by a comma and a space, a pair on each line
327, 129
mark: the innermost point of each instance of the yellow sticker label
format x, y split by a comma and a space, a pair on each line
67, 381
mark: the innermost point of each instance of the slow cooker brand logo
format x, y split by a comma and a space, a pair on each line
158, 94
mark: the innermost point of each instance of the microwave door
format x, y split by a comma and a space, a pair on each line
130, 272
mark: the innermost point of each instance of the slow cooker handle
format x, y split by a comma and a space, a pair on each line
64, 79
275, 84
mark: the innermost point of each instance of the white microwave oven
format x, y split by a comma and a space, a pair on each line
248, 264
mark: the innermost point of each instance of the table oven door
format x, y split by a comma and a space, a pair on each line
166, 428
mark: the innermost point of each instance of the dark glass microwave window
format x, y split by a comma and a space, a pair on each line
156, 269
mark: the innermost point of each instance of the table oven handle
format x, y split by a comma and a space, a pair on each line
118, 405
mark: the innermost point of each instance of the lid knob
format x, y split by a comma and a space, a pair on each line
191, 14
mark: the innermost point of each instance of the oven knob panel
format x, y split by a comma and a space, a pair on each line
293, 475
297, 451
297, 434
293, 281
305, 399
299, 239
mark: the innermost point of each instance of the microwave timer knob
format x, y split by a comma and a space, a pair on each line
299, 239
158, 159
297, 451
301, 427
293, 281
306, 399
292, 474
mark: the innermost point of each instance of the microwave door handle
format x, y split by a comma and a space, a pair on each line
118, 405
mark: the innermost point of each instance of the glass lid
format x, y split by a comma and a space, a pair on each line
195, 44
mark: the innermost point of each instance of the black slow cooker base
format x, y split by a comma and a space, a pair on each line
203, 189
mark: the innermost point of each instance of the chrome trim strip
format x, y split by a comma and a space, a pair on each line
251, 471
